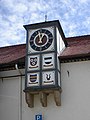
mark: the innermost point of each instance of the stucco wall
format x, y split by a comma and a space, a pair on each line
76, 91
11, 95
75, 97
9, 99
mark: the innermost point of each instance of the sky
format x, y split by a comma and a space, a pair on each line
74, 17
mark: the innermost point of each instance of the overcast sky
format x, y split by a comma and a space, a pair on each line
74, 16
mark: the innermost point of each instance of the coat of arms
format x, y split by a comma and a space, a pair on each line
33, 79
48, 61
48, 78
33, 62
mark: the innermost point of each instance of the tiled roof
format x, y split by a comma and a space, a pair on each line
77, 47
12, 53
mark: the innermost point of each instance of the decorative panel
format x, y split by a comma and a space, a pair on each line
48, 61
33, 62
48, 78
33, 79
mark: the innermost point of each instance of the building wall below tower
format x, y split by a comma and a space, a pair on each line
75, 96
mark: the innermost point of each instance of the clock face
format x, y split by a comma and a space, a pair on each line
41, 40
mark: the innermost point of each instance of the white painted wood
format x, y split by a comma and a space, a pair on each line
60, 42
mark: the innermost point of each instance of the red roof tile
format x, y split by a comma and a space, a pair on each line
77, 47
12, 53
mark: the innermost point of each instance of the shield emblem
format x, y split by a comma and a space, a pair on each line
48, 78
33, 78
48, 60
33, 62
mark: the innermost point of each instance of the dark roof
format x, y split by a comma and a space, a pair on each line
11, 54
78, 47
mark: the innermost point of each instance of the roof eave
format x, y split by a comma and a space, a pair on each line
78, 57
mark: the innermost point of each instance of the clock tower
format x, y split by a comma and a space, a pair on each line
43, 74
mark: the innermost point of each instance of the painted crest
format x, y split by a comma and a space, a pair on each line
48, 61
33, 61
48, 78
33, 79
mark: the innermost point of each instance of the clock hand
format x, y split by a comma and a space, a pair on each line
40, 37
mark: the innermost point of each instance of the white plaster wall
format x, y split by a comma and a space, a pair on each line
9, 99
76, 91
11, 95
75, 97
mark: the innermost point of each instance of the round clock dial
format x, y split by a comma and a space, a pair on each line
41, 40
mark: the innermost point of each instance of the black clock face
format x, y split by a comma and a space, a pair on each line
41, 40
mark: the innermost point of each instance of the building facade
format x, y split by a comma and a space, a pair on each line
75, 84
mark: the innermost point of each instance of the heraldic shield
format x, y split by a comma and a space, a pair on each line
48, 61
33, 79
48, 78
33, 62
